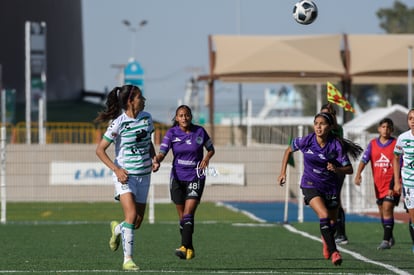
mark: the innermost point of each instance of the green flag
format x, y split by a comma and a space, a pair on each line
291, 160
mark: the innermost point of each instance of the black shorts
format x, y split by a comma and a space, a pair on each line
394, 199
331, 200
181, 191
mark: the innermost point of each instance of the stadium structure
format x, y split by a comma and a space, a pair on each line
64, 46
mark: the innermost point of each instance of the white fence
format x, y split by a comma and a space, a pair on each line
32, 174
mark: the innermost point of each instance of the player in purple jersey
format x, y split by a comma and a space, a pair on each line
325, 157
340, 237
187, 142
130, 130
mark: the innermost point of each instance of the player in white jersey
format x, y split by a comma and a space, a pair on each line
405, 148
130, 130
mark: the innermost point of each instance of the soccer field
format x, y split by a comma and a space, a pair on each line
226, 242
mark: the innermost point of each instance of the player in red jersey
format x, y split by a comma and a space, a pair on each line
380, 152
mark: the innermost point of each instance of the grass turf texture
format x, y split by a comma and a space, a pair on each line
37, 241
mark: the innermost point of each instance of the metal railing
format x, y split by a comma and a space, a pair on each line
66, 132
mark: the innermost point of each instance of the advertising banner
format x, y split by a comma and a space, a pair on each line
95, 173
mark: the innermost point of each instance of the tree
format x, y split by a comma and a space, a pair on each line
398, 19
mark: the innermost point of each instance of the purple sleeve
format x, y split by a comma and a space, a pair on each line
208, 143
295, 145
367, 154
165, 145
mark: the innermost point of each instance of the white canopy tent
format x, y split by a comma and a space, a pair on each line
359, 59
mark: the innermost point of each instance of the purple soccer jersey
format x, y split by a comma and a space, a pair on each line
188, 150
316, 158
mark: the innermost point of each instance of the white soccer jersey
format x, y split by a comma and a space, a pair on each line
132, 139
405, 146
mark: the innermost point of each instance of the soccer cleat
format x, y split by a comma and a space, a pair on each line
336, 258
325, 250
384, 245
341, 239
130, 266
181, 252
115, 239
392, 241
190, 254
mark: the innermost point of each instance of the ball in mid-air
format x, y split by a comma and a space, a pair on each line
305, 12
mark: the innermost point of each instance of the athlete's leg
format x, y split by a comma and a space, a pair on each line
127, 227
318, 205
388, 218
188, 222
140, 209
340, 221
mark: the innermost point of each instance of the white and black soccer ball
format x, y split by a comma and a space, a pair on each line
305, 12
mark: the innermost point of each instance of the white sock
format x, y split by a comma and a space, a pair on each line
127, 233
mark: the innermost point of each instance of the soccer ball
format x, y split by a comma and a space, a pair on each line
305, 12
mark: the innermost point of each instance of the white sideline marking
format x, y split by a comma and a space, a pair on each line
352, 253
234, 209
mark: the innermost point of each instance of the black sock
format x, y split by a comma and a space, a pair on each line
340, 222
388, 225
188, 228
327, 234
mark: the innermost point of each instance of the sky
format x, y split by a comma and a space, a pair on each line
172, 47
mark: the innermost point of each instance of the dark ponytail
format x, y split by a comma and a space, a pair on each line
117, 100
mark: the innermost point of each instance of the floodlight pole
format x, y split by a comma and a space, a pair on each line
134, 31
240, 86
28, 84
3, 156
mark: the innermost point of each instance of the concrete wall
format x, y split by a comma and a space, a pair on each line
28, 172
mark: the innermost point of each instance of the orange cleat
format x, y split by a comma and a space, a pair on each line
336, 258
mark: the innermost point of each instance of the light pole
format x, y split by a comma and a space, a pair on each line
134, 31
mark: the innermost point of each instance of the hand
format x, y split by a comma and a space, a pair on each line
331, 167
122, 175
397, 188
281, 180
358, 180
155, 166
203, 164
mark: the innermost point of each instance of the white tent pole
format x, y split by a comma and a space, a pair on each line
286, 211
318, 97
249, 123
300, 168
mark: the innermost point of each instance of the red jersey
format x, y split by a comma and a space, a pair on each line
381, 156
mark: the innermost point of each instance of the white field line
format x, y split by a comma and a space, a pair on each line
347, 251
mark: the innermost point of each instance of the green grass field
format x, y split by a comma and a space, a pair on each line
72, 238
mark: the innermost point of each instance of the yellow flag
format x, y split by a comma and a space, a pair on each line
335, 96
